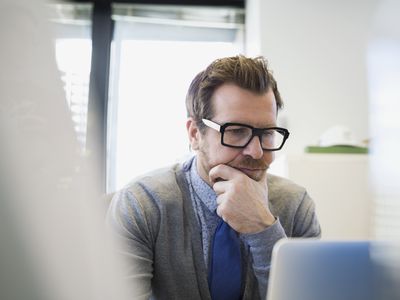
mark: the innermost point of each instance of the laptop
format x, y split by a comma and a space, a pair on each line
322, 270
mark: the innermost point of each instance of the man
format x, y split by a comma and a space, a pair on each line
172, 219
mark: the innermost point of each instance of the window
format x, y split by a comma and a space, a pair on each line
73, 55
156, 52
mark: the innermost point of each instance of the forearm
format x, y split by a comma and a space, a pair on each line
260, 246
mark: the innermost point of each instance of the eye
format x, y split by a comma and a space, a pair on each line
269, 132
236, 130
239, 130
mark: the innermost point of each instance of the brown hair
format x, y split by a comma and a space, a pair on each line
248, 73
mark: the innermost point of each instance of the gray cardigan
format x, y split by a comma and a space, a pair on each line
155, 219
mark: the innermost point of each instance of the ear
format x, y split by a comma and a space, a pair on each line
193, 134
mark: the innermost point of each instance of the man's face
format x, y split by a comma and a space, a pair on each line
233, 104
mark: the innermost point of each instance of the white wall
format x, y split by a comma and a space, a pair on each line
338, 62
317, 50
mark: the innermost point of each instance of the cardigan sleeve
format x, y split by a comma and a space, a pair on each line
261, 245
306, 224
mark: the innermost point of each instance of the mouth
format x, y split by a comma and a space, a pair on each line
252, 173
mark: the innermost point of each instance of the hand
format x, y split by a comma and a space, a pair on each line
242, 202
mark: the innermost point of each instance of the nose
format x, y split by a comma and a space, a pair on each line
254, 149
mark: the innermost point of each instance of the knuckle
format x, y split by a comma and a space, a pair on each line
223, 211
219, 210
235, 188
216, 169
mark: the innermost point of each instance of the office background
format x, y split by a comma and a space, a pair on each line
336, 63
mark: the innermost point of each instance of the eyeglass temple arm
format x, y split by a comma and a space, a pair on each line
212, 124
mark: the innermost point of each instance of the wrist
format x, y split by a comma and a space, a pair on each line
266, 221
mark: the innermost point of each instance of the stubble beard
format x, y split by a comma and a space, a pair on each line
247, 162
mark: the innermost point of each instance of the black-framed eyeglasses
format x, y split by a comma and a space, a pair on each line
237, 135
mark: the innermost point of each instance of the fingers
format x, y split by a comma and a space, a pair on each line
221, 209
219, 213
220, 187
222, 172
219, 200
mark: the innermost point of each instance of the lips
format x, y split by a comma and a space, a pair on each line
252, 173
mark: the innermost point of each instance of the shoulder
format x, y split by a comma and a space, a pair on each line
283, 188
158, 178
294, 207
141, 204
284, 195
159, 185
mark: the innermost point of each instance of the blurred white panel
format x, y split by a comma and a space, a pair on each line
384, 90
52, 236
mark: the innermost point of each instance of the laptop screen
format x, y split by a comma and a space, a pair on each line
321, 270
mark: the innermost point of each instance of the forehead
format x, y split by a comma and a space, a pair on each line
234, 104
